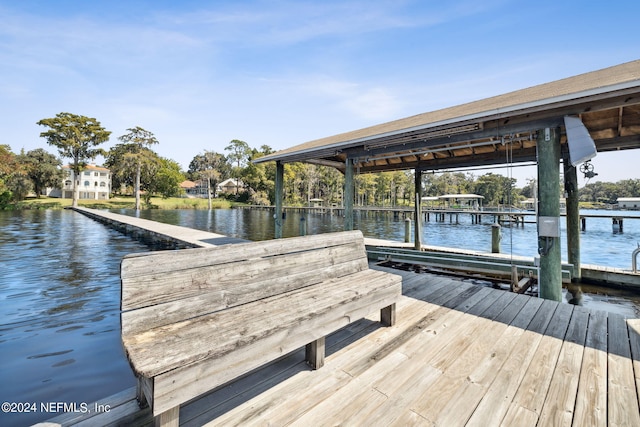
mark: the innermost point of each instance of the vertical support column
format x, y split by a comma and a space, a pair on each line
407, 229
496, 237
548, 147
388, 315
303, 226
349, 189
314, 353
417, 237
573, 216
277, 216
169, 418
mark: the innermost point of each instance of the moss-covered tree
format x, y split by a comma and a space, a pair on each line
77, 138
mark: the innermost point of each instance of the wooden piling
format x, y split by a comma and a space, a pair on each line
279, 199
548, 151
573, 216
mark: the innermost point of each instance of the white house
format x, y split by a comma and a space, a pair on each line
230, 186
94, 183
628, 202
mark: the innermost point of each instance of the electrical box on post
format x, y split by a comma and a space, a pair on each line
548, 226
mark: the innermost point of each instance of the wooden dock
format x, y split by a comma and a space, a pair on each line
170, 235
458, 355
174, 236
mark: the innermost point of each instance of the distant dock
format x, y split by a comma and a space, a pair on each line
157, 232
447, 214
184, 237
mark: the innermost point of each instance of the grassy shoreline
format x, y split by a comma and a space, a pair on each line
158, 203
121, 203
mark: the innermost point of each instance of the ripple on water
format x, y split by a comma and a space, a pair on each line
59, 310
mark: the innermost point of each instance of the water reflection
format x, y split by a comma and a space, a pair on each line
59, 310
460, 233
60, 290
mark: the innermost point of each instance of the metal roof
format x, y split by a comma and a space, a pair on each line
484, 132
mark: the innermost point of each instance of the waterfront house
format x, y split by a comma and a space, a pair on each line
198, 188
94, 183
628, 202
230, 186
188, 187
195, 188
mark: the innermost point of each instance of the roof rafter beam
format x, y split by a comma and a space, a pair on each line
460, 138
442, 163
619, 133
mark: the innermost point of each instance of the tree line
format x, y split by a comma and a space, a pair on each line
138, 170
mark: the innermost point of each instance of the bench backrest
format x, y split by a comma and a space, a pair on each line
162, 288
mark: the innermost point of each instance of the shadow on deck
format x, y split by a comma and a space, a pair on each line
459, 355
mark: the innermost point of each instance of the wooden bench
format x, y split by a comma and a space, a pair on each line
195, 319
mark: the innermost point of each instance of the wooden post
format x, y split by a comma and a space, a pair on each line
495, 238
388, 315
573, 216
349, 188
303, 226
548, 151
279, 199
169, 418
314, 353
417, 237
407, 230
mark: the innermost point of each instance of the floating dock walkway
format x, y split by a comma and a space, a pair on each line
158, 232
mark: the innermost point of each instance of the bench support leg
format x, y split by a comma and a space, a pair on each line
141, 396
314, 353
169, 418
388, 315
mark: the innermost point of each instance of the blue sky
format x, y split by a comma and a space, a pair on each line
201, 73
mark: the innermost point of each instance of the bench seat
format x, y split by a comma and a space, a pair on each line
165, 348
193, 320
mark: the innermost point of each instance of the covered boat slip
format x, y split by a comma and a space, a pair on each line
458, 355
566, 121
481, 132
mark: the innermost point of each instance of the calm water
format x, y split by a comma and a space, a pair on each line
599, 245
60, 289
59, 310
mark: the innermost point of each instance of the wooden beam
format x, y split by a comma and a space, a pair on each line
620, 121
573, 216
279, 199
418, 211
548, 208
349, 190
314, 353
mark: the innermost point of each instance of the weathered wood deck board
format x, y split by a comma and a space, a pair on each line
560, 399
458, 355
528, 401
591, 398
623, 400
634, 338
